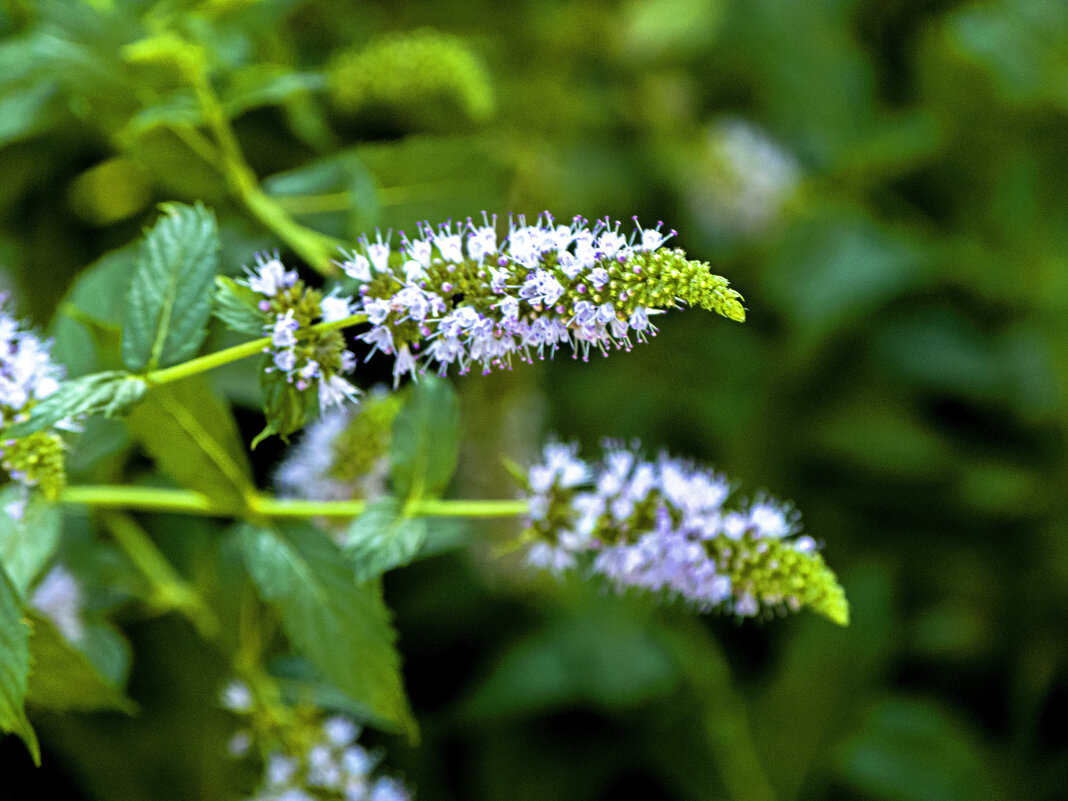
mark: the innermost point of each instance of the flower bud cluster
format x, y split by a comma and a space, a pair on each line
345, 454
27, 375
422, 77
666, 526
456, 295
310, 757
303, 357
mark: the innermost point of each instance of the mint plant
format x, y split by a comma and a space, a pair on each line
362, 493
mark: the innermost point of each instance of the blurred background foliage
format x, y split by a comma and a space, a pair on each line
884, 182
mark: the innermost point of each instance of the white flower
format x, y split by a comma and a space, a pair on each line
378, 253
419, 251
335, 308
237, 697
285, 330
405, 364
334, 391
451, 247
358, 267
482, 243
59, 598
270, 276
340, 731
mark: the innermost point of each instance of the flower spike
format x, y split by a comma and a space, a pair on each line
462, 297
666, 526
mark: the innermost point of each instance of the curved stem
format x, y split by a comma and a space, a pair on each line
315, 248
154, 499
212, 360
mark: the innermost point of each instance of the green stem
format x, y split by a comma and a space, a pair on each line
212, 360
170, 591
153, 499
313, 247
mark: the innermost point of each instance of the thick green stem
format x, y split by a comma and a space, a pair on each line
212, 360
152, 499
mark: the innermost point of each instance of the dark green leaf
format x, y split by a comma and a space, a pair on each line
301, 683
194, 439
109, 394
14, 666
87, 331
340, 625
914, 750
236, 305
169, 302
381, 539
62, 677
600, 657
27, 543
27, 111
426, 440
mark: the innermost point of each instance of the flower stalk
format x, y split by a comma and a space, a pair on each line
156, 499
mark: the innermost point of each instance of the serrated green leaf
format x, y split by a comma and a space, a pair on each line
63, 679
381, 539
109, 393
341, 626
169, 302
14, 666
301, 683
194, 439
236, 305
26, 544
426, 440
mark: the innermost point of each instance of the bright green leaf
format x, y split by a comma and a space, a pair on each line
27, 543
340, 625
236, 305
87, 329
286, 408
381, 539
14, 666
169, 302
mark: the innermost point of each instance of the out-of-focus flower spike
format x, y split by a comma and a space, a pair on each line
667, 527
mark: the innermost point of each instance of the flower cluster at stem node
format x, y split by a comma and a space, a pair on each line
27, 376
306, 755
